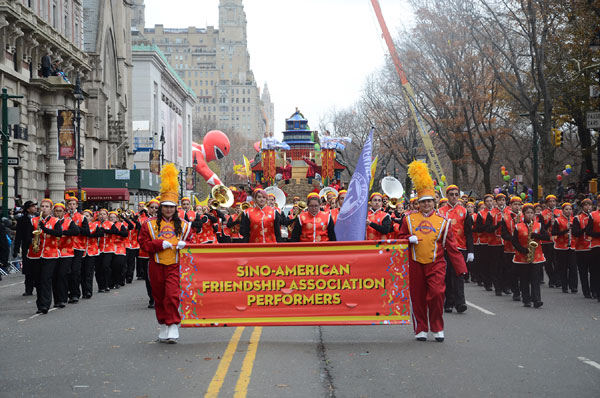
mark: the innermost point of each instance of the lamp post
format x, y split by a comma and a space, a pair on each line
531, 130
162, 146
195, 164
78, 94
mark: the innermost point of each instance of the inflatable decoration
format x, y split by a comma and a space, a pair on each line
215, 146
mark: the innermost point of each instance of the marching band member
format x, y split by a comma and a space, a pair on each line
118, 235
260, 223
479, 247
430, 237
510, 220
205, 226
379, 222
565, 261
461, 226
132, 250
442, 203
592, 229
107, 250
548, 215
233, 223
60, 279
526, 232
91, 234
78, 246
583, 246
44, 254
313, 225
339, 203
502, 273
144, 257
162, 237
485, 226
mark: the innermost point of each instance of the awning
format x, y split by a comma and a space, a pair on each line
105, 194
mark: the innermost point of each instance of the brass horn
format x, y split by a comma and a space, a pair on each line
223, 195
245, 206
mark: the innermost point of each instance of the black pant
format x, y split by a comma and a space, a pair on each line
60, 280
143, 263
103, 270
529, 275
117, 275
132, 255
237, 240
26, 270
566, 268
455, 285
475, 270
583, 264
594, 265
225, 239
548, 249
43, 270
75, 275
512, 270
496, 264
87, 275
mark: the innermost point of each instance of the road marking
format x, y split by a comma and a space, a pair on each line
480, 308
12, 284
589, 362
36, 315
241, 388
217, 381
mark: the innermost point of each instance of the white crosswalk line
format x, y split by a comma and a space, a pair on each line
480, 308
589, 362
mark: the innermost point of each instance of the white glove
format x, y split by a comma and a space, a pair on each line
167, 245
180, 245
413, 239
470, 257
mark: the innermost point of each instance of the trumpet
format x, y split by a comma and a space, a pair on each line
214, 204
393, 202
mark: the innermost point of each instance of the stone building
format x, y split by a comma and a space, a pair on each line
215, 63
90, 39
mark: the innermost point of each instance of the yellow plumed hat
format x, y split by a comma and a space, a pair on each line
419, 174
169, 185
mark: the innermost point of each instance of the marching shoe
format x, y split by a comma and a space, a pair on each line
162, 334
538, 304
526, 304
422, 336
439, 336
448, 309
461, 308
516, 298
173, 333
27, 294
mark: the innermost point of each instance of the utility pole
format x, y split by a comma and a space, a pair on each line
5, 139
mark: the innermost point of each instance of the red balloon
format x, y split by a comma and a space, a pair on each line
257, 146
558, 177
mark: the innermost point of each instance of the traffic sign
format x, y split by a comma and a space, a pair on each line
12, 161
593, 120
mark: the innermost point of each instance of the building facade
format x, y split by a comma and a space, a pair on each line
163, 107
215, 63
89, 39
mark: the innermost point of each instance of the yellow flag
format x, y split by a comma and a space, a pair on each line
247, 165
373, 168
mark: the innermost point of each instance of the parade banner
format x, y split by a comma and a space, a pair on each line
66, 135
332, 283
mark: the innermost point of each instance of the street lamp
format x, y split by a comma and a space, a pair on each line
78, 94
195, 164
162, 146
531, 130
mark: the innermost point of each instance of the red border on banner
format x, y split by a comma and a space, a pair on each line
332, 283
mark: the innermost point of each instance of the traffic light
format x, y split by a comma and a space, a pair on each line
557, 134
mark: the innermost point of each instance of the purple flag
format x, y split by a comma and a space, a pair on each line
351, 222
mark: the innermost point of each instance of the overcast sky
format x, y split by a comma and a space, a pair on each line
313, 54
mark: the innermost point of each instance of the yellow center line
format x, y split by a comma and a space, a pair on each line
241, 388
217, 381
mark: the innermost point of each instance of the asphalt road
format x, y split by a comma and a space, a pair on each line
105, 347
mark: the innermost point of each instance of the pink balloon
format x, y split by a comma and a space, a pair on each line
565, 173
496, 191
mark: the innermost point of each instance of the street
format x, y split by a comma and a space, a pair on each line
105, 347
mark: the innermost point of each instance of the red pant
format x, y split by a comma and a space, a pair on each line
164, 280
427, 287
